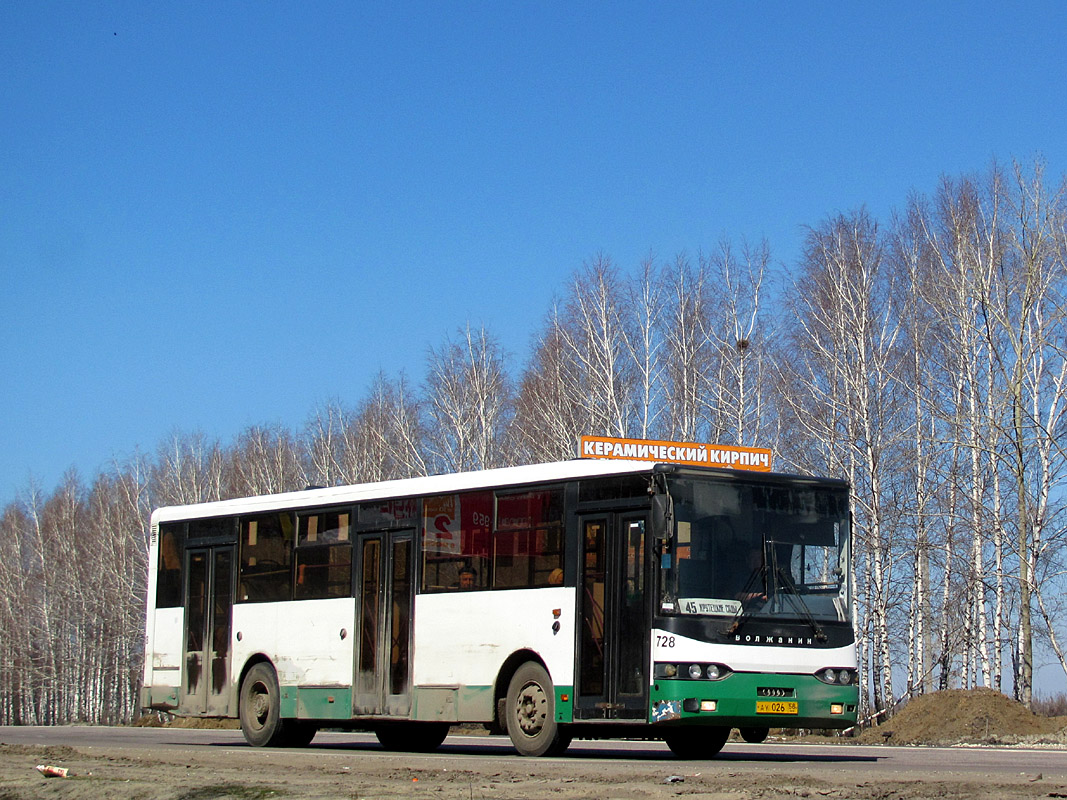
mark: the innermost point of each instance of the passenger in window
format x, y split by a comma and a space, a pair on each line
555, 577
467, 576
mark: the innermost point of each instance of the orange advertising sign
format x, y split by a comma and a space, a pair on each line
703, 455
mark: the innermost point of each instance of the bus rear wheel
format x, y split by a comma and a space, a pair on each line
530, 713
411, 737
695, 743
259, 708
298, 732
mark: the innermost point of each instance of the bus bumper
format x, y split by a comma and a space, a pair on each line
159, 698
754, 700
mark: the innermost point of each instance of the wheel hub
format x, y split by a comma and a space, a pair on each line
531, 710
260, 706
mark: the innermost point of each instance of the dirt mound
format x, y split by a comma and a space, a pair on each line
47, 752
204, 723
958, 716
169, 721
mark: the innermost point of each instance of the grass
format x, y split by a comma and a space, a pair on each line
1052, 706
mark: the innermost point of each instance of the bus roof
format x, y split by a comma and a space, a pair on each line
439, 484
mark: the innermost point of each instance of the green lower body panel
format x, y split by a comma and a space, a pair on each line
452, 704
161, 698
429, 703
306, 702
564, 704
756, 700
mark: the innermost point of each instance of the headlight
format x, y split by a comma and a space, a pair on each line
711, 672
838, 676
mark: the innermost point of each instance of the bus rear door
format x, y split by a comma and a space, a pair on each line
206, 653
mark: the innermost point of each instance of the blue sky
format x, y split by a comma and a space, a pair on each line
216, 215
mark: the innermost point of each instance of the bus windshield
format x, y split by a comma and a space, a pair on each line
758, 550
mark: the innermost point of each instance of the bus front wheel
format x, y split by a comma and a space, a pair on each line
531, 713
694, 743
754, 735
259, 708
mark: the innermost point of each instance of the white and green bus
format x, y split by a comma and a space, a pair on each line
584, 598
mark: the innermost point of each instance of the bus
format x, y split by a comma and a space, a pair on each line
586, 598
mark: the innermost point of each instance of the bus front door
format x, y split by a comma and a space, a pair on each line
386, 593
612, 668
206, 656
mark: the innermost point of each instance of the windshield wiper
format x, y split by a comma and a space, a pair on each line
799, 603
743, 613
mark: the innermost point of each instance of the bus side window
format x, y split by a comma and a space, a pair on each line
169, 578
323, 556
266, 553
455, 541
528, 540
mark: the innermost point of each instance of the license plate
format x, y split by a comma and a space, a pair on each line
776, 707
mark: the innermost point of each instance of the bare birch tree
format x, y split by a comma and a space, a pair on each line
687, 350
736, 337
846, 359
324, 443
18, 633
644, 347
594, 332
951, 235
386, 438
549, 416
265, 460
117, 515
911, 254
582, 378
468, 401
188, 469
1024, 316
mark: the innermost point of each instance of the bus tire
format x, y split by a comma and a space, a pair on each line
754, 735
412, 737
694, 743
530, 712
563, 741
298, 732
260, 713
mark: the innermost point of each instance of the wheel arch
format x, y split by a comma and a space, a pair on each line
256, 658
503, 678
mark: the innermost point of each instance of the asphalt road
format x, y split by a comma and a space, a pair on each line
488, 753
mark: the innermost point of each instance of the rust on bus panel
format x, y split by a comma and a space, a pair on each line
724, 456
